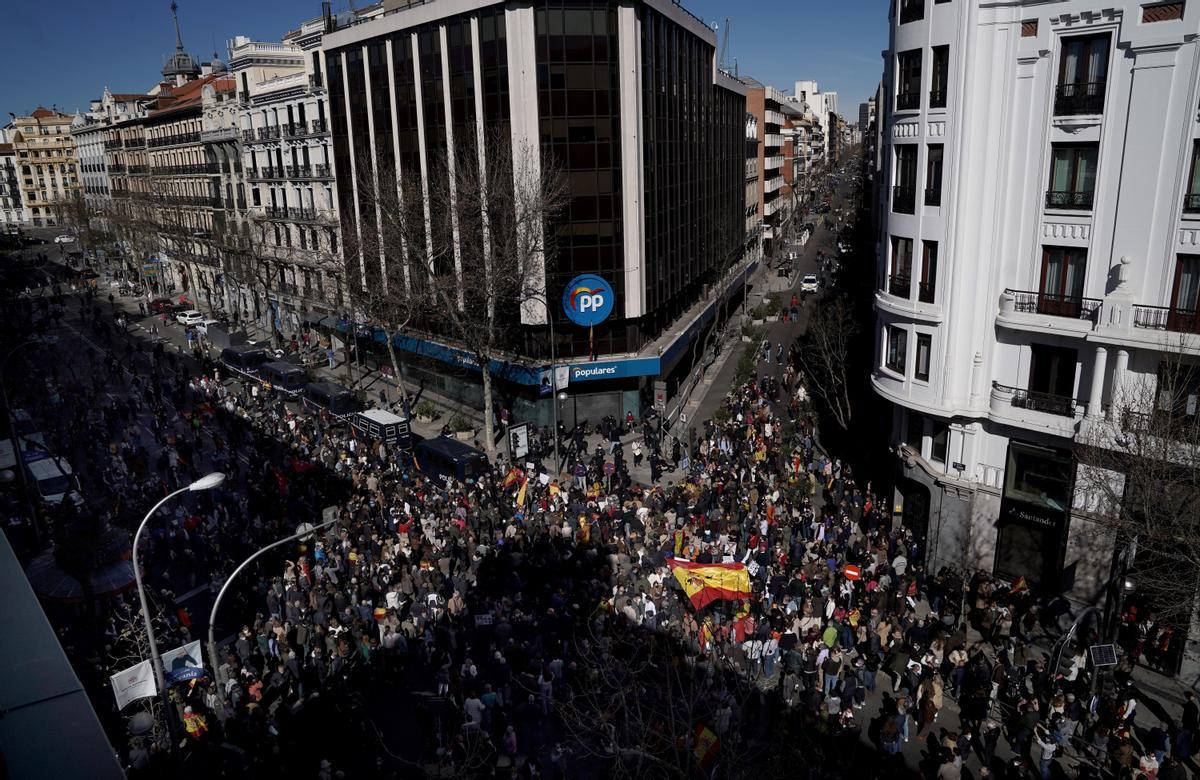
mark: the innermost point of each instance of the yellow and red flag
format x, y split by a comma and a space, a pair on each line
706, 582
1019, 585
521, 492
511, 478
706, 745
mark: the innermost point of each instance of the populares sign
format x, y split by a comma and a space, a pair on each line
588, 300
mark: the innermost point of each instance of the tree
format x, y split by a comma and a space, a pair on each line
825, 355
1139, 478
463, 252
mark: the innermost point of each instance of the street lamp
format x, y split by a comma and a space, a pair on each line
204, 483
212, 618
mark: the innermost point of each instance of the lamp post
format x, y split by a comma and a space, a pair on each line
212, 617
204, 483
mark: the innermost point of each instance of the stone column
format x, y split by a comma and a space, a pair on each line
1095, 396
1119, 369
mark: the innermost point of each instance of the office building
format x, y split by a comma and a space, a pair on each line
651, 136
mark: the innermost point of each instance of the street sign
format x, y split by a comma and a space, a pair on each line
660, 395
609, 468
588, 300
852, 572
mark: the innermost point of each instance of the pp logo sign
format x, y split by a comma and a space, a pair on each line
588, 300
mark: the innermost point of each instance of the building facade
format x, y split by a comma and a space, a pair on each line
288, 160
47, 167
1040, 212
89, 132
12, 216
775, 113
648, 131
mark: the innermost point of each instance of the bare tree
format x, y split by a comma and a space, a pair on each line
1139, 474
825, 355
466, 249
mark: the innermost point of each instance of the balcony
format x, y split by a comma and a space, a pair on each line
1079, 98
248, 136
1191, 203
1074, 306
110, 145
267, 133
908, 101
1065, 199
903, 199
1166, 318
1031, 400
772, 162
911, 11
773, 184
933, 197
174, 140
264, 173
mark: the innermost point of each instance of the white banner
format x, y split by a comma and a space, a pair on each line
177, 662
562, 377
135, 682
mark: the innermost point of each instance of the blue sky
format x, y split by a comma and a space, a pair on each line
77, 47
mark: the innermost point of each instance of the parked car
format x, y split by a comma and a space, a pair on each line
160, 305
64, 238
189, 317
203, 324
809, 284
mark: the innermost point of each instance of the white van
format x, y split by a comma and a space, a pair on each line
51, 477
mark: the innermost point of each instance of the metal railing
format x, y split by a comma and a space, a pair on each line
903, 199
1191, 202
1169, 318
1034, 401
908, 101
248, 135
267, 133
933, 196
1068, 199
1079, 98
899, 285
1035, 302
937, 98
172, 140
925, 292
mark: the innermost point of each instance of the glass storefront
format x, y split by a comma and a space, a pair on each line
1034, 515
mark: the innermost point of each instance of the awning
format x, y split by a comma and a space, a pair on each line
328, 322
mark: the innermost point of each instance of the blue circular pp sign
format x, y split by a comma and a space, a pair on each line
588, 300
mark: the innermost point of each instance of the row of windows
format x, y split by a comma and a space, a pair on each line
896, 357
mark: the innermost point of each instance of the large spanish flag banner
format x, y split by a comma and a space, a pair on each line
707, 582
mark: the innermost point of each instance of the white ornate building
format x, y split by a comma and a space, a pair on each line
284, 123
1039, 247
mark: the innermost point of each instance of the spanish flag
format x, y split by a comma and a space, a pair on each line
707, 582
521, 492
706, 745
1019, 585
510, 478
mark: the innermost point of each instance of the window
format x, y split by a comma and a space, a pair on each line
1072, 176
1052, 379
904, 191
911, 11
1061, 288
933, 175
1178, 390
1191, 201
1082, 72
897, 348
927, 286
941, 438
915, 434
1185, 296
908, 80
941, 76
900, 279
924, 347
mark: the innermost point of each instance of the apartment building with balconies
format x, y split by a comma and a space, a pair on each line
284, 127
12, 216
48, 172
774, 112
1039, 250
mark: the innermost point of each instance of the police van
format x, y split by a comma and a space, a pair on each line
329, 397
287, 378
383, 425
51, 477
244, 359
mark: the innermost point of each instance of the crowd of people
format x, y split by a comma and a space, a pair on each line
529, 624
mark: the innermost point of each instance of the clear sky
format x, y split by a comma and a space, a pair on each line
72, 49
